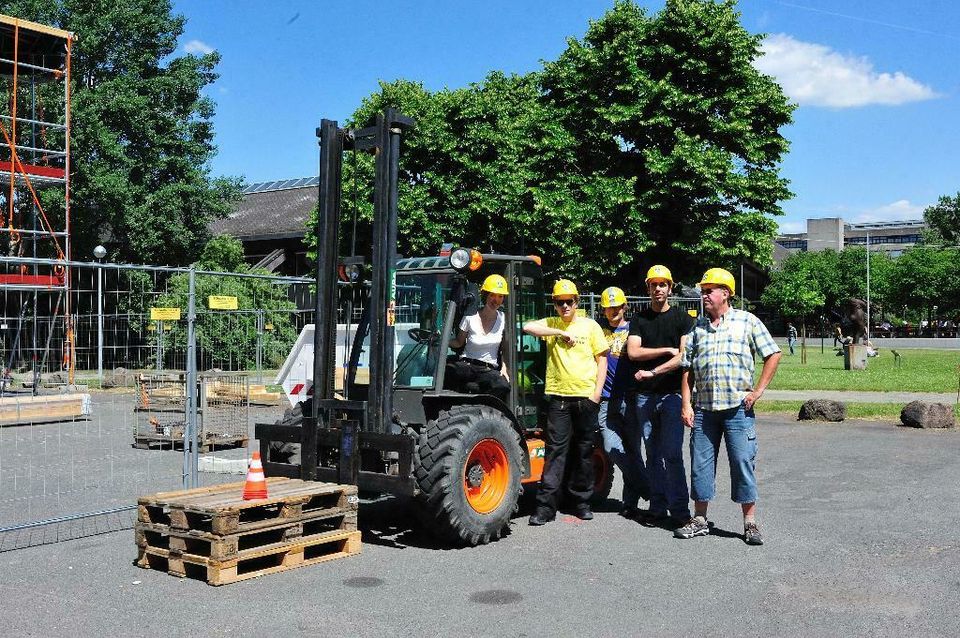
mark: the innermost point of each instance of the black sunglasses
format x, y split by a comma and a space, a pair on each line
564, 302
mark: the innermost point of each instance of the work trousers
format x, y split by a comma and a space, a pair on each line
481, 379
568, 458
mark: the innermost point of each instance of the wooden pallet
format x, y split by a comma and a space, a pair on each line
270, 559
232, 546
221, 509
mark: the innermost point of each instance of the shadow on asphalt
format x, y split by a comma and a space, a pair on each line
391, 521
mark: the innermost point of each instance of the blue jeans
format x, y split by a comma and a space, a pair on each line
659, 417
621, 441
736, 427
790, 342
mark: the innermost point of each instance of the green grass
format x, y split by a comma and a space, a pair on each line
920, 371
878, 411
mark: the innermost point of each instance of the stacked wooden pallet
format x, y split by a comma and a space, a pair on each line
211, 533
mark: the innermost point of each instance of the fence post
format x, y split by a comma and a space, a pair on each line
190, 436
261, 323
99, 323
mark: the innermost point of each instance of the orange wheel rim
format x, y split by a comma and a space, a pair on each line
599, 468
486, 476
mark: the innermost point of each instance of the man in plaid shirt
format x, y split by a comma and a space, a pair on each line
718, 361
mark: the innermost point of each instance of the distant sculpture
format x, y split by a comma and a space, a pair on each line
854, 318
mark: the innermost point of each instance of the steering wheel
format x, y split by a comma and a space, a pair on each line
423, 335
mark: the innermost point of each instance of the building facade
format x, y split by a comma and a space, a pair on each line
834, 233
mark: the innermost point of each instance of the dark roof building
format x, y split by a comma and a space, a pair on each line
271, 222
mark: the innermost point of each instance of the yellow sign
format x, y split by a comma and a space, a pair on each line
268, 326
221, 302
163, 326
164, 314
692, 312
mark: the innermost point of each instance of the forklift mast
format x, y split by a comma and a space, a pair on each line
383, 140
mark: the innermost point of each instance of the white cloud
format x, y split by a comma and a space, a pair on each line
900, 210
197, 46
815, 75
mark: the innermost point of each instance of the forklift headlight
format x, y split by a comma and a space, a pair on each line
465, 259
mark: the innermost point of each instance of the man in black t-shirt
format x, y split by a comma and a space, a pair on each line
657, 336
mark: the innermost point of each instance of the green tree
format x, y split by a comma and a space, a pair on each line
142, 135
651, 133
925, 278
796, 288
228, 339
673, 104
943, 218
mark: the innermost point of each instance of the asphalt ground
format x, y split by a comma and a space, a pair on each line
860, 518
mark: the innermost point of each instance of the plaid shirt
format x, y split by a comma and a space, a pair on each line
721, 359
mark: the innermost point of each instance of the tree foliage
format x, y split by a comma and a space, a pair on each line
826, 279
142, 135
943, 218
228, 339
925, 277
673, 104
653, 134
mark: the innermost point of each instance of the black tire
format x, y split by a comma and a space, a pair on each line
444, 448
602, 474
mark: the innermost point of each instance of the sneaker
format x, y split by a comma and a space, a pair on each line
751, 534
696, 526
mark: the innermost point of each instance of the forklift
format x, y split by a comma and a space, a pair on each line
465, 457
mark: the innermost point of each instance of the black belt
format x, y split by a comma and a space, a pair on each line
481, 363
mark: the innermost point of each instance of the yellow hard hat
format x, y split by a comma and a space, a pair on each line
720, 277
495, 284
612, 297
565, 288
659, 272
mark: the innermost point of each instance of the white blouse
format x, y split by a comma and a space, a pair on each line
482, 346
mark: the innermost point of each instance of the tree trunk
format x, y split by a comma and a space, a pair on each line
803, 341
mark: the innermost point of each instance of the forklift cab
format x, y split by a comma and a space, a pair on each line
432, 297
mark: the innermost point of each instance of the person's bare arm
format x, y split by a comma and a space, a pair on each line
460, 340
766, 376
540, 329
686, 411
667, 366
601, 376
637, 352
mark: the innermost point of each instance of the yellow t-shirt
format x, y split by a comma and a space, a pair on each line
572, 370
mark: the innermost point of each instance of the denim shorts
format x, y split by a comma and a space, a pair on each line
736, 427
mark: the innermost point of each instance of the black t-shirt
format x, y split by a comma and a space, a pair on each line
660, 330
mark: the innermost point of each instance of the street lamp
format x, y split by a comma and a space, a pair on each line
868, 286
936, 324
99, 253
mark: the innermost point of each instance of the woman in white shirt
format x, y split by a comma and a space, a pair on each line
481, 337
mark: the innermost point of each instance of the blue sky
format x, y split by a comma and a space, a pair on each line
875, 138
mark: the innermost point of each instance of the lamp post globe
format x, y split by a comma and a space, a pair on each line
99, 252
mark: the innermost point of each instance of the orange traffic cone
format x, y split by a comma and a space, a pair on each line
256, 485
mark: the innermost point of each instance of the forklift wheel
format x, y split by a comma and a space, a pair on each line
602, 475
468, 471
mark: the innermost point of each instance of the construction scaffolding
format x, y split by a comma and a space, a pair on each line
34, 157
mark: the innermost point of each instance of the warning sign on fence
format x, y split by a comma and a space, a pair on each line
221, 302
164, 314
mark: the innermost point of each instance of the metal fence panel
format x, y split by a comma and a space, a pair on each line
80, 397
